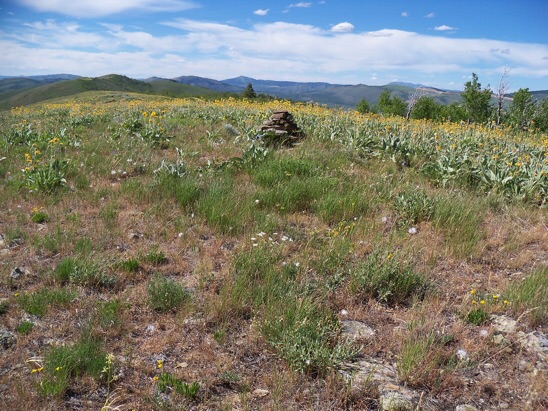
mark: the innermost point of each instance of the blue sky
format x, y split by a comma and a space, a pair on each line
433, 42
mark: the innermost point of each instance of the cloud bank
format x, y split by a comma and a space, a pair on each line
277, 50
98, 8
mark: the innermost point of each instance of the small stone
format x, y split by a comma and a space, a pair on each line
498, 339
356, 330
396, 401
504, 406
260, 393
2, 242
134, 236
466, 407
7, 339
525, 366
150, 329
17, 272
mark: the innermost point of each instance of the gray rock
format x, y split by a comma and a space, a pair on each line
504, 324
134, 235
525, 366
371, 371
498, 339
17, 272
356, 330
7, 339
466, 407
260, 393
536, 343
372, 375
395, 398
2, 241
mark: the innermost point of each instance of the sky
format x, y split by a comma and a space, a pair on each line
437, 43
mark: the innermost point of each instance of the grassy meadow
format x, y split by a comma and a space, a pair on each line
169, 260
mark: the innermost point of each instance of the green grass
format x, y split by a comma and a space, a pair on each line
530, 296
413, 207
130, 265
39, 217
24, 327
226, 206
297, 326
388, 278
164, 294
168, 382
109, 313
38, 302
84, 272
304, 333
63, 364
460, 218
155, 257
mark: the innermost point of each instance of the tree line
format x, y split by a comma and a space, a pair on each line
476, 106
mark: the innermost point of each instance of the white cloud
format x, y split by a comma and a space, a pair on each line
96, 8
301, 4
430, 15
272, 50
63, 35
261, 12
405, 14
444, 27
345, 27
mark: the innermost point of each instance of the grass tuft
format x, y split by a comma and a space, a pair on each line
164, 294
387, 278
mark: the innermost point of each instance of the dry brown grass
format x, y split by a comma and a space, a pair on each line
125, 218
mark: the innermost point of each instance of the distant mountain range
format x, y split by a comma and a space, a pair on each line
24, 90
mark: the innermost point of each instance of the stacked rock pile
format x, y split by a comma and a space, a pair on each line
280, 129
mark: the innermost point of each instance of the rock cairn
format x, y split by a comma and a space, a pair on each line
281, 129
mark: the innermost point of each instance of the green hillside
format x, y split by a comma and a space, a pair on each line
111, 82
11, 84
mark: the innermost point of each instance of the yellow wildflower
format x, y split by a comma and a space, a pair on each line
482, 302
